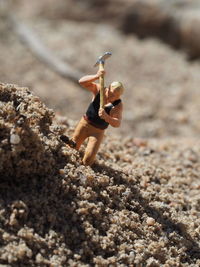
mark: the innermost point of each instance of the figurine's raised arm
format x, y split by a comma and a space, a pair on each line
88, 82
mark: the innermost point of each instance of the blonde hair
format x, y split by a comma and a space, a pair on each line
117, 86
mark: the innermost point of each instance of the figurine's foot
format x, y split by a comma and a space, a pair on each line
68, 141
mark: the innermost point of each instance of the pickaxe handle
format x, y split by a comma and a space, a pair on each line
100, 62
101, 82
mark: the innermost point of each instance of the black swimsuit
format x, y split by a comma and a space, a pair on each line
92, 115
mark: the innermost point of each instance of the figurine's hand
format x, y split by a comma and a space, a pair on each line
100, 73
102, 114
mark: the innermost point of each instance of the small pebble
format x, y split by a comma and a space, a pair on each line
15, 139
150, 221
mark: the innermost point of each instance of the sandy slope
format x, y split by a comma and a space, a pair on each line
137, 206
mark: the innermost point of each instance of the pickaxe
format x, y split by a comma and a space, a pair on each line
100, 62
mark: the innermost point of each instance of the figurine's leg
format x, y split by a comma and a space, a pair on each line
92, 148
80, 133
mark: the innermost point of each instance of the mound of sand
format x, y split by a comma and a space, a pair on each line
25, 134
138, 206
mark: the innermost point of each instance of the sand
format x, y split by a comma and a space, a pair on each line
137, 206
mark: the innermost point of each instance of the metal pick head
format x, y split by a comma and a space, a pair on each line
102, 59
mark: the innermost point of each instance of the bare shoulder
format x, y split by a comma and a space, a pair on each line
90, 86
95, 90
116, 111
119, 106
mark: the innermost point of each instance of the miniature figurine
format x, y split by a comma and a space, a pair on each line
105, 108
